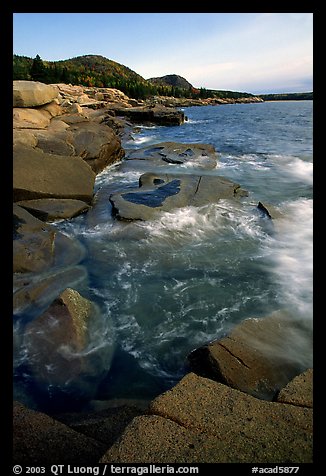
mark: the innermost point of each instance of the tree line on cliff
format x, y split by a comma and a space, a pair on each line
97, 71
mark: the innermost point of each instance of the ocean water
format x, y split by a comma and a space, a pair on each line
167, 286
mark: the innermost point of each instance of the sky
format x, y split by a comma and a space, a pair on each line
249, 52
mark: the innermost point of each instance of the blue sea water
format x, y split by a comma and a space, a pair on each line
167, 286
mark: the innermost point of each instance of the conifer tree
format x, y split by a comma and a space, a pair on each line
38, 70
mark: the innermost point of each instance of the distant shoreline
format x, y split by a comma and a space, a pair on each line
287, 100
287, 96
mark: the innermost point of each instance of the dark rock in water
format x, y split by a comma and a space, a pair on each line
254, 357
269, 210
162, 115
157, 193
39, 439
192, 156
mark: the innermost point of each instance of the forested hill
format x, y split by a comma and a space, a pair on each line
98, 71
88, 70
172, 80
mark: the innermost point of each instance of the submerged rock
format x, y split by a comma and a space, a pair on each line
165, 192
33, 293
60, 345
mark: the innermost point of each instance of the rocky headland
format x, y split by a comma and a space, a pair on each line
239, 402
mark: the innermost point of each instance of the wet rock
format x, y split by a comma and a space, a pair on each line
104, 426
202, 156
39, 439
48, 209
202, 421
299, 391
33, 246
254, 357
163, 192
32, 93
269, 210
40, 175
34, 293
38, 246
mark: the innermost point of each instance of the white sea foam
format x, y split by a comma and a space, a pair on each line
114, 174
292, 256
197, 224
299, 169
139, 141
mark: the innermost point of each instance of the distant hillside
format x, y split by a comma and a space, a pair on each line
101, 67
91, 70
172, 80
101, 72
286, 96
88, 70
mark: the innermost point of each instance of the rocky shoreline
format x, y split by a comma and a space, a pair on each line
237, 403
